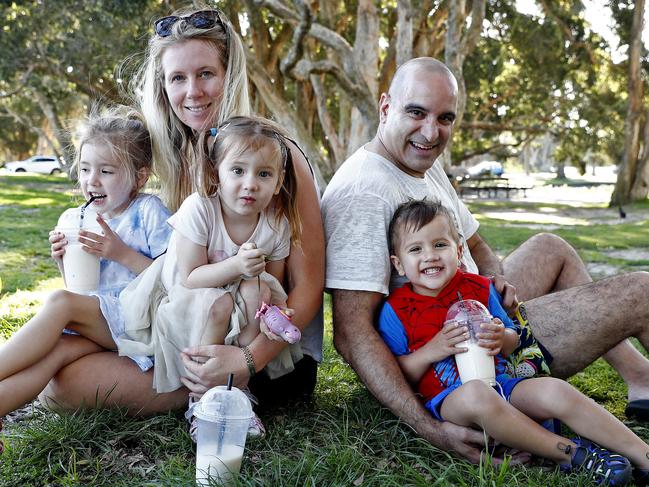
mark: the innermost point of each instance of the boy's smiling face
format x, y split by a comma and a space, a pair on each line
428, 257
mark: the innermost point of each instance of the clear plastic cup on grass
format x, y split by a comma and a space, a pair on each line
223, 415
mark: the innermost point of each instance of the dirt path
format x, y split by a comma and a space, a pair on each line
585, 206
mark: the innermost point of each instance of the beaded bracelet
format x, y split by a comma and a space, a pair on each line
250, 363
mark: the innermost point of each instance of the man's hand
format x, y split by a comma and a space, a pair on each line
507, 291
466, 442
469, 444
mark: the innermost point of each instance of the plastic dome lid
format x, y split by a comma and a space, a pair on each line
468, 310
70, 218
220, 404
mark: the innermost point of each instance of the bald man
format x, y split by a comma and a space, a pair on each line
573, 320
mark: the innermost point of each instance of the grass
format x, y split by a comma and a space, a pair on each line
343, 437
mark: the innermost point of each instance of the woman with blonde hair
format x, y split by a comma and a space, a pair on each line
194, 77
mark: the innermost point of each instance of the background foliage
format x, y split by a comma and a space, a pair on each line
543, 89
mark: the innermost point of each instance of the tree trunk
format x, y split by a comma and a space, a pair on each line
63, 139
629, 170
459, 43
366, 58
640, 188
285, 115
404, 31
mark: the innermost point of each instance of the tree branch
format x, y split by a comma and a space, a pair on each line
472, 36
297, 45
567, 32
502, 127
491, 149
305, 68
317, 31
21, 84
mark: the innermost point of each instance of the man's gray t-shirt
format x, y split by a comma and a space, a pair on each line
357, 207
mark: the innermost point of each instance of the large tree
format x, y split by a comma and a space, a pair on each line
633, 177
319, 67
57, 57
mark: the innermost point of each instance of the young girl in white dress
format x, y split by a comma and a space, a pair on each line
226, 254
113, 162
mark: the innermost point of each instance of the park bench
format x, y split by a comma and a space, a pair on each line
491, 187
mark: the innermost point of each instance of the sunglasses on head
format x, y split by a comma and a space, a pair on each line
204, 19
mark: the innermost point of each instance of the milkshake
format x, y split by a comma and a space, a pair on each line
223, 415
474, 363
224, 466
80, 269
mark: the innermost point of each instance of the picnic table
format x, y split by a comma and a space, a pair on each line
491, 186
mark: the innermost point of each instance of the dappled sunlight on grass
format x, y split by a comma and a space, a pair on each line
16, 308
343, 437
24, 191
20, 200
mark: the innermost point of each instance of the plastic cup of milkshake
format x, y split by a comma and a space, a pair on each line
223, 417
80, 269
475, 363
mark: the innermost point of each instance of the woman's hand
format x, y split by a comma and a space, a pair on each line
266, 331
57, 246
208, 366
492, 336
250, 260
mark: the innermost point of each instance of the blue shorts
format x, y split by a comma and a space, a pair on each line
506, 382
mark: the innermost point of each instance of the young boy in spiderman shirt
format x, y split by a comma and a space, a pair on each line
425, 247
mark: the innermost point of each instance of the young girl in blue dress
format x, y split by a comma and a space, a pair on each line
113, 163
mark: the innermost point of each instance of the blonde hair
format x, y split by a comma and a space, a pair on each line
173, 141
243, 134
123, 132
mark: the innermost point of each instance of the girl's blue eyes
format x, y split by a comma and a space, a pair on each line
263, 174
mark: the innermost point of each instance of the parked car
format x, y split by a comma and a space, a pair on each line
39, 164
486, 168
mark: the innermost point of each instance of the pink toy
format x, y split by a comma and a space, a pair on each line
278, 323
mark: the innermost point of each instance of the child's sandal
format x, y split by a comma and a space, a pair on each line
604, 467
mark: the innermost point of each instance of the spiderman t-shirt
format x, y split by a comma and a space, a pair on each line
409, 320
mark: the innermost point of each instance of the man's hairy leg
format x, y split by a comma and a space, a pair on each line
361, 346
546, 263
580, 324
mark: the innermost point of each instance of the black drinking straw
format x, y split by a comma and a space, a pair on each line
83, 210
221, 433
92, 198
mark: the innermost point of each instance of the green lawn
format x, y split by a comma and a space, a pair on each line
342, 438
